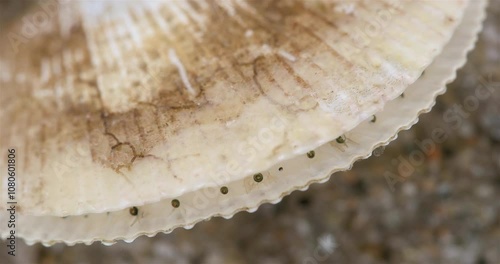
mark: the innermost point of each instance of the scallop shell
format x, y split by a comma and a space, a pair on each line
142, 117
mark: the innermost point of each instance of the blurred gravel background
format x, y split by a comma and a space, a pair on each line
447, 211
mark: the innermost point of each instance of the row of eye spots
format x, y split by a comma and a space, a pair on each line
257, 178
224, 190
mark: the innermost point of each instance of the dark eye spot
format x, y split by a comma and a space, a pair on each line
258, 177
280, 169
176, 203
224, 190
403, 95
374, 119
341, 139
311, 154
134, 210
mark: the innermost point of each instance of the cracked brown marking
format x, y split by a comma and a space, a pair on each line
113, 137
121, 156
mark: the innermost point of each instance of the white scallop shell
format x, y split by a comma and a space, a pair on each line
200, 198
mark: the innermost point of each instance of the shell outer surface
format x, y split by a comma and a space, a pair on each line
113, 106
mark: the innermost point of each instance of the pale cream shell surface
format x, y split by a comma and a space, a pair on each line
279, 180
118, 105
